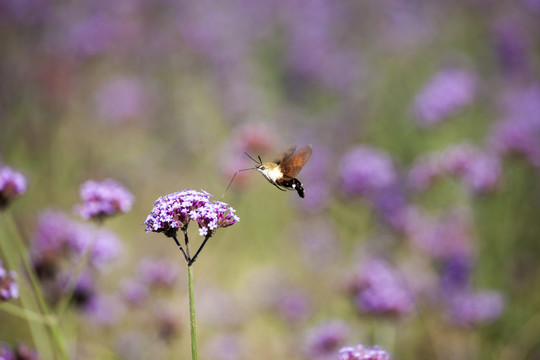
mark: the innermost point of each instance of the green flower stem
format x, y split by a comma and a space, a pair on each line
192, 314
10, 244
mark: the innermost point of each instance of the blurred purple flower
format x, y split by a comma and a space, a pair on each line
379, 289
27, 12
57, 237
6, 353
23, 352
104, 310
168, 324
122, 99
8, 287
392, 206
12, 184
313, 49
83, 290
479, 170
174, 211
103, 199
445, 236
455, 274
20, 352
324, 340
224, 347
511, 47
360, 352
134, 292
366, 171
475, 308
293, 305
444, 94
256, 137
158, 273
519, 131
425, 171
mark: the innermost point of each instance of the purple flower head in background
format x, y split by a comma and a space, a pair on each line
518, 132
475, 308
12, 184
122, 99
324, 340
8, 288
158, 273
58, 237
175, 211
445, 236
361, 352
444, 94
511, 47
455, 274
20, 352
103, 199
477, 169
293, 305
379, 289
224, 347
104, 310
134, 292
365, 171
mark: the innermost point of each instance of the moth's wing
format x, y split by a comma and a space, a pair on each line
285, 155
291, 166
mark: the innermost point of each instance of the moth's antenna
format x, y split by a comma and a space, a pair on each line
232, 179
249, 156
260, 161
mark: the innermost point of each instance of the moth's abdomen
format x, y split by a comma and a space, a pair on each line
291, 184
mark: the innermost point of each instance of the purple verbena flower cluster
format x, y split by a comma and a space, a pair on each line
175, 211
8, 287
360, 352
12, 184
479, 170
445, 93
378, 289
103, 199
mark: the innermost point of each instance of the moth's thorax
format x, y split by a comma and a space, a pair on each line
270, 171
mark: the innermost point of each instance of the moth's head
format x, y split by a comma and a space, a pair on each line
265, 167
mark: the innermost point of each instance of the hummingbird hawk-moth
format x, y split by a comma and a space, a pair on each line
283, 170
